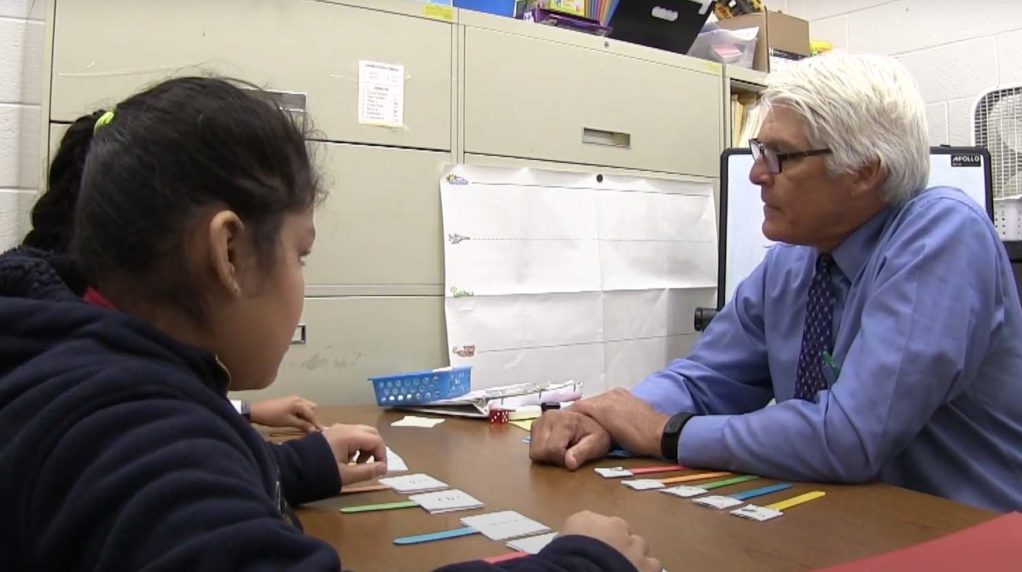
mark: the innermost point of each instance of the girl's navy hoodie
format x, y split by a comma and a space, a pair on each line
120, 451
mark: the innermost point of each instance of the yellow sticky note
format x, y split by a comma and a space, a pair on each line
439, 12
524, 424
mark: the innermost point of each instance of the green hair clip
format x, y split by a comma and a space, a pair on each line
104, 120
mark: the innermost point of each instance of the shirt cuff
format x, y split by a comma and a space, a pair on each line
702, 442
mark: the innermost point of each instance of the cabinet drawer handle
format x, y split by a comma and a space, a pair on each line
608, 138
292, 101
298, 338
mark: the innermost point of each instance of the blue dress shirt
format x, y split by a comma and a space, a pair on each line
925, 384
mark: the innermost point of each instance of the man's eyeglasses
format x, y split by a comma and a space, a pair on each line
775, 160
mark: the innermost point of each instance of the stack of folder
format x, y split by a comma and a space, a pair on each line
601, 10
746, 118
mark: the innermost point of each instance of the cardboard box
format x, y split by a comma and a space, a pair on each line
782, 38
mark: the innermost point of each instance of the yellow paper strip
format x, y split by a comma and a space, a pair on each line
795, 501
695, 477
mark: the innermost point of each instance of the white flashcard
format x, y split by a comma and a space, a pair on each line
504, 524
532, 544
613, 472
685, 491
643, 484
757, 513
417, 483
394, 462
416, 421
446, 501
718, 502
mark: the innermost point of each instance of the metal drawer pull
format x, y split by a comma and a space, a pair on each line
608, 138
298, 338
291, 101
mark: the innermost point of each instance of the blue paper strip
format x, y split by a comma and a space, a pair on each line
751, 494
430, 537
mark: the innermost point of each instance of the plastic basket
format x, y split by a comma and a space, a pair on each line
418, 387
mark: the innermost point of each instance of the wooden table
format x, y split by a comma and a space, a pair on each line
492, 463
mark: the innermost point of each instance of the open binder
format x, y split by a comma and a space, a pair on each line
478, 403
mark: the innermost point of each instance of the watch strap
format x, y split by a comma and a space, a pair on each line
672, 433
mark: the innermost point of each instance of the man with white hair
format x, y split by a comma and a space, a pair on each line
886, 324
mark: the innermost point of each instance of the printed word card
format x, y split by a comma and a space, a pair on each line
417, 483
505, 524
532, 544
446, 501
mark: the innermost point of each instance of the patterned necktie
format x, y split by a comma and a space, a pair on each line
817, 332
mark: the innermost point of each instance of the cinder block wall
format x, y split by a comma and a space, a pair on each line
22, 33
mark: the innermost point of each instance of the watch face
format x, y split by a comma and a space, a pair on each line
675, 423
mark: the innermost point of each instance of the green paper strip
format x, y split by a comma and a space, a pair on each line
379, 506
727, 482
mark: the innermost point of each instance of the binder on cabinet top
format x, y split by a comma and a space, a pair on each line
666, 24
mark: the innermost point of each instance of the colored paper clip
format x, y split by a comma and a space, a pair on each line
829, 360
433, 536
379, 506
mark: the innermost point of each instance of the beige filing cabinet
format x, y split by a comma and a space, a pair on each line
374, 292
380, 227
104, 50
592, 101
537, 97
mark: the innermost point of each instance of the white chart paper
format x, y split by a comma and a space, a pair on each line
552, 276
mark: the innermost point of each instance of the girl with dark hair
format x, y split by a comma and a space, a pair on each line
52, 229
53, 213
118, 447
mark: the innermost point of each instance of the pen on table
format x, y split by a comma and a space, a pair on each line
523, 412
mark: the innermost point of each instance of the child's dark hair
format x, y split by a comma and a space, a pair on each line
168, 153
53, 214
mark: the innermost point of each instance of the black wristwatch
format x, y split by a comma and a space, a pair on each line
672, 431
